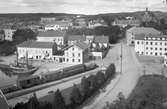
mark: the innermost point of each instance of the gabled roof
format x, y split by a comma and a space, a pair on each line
35, 44
143, 30
81, 45
52, 34
101, 39
76, 38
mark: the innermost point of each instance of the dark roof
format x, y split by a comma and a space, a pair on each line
76, 38
102, 39
52, 34
142, 36
82, 45
35, 44
143, 30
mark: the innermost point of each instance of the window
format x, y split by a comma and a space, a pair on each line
79, 60
160, 48
146, 48
73, 60
165, 49
155, 54
73, 49
138, 42
147, 53
165, 43
155, 48
146, 43
151, 43
155, 43
78, 54
67, 60
151, 48
160, 54
73, 54
160, 43
151, 53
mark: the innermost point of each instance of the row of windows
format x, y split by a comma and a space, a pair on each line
73, 54
155, 48
151, 53
151, 43
73, 60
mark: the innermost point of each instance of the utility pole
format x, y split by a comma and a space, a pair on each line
121, 59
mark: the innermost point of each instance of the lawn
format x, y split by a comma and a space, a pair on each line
151, 89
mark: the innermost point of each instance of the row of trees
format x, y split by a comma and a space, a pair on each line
77, 96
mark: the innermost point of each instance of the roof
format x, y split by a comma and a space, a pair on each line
102, 39
143, 30
142, 36
52, 34
81, 45
76, 38
35, 44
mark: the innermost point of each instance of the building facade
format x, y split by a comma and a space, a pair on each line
101, 41
72, 39
126, 22
151, 45
132, 32
77, 53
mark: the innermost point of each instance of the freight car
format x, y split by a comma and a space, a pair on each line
28, 81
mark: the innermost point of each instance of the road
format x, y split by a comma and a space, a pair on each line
124, 82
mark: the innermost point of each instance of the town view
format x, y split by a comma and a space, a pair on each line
91, 54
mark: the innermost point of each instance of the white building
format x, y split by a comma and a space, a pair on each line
53, 36
77, 53
58, 25
130, 33
9, 34
151, 45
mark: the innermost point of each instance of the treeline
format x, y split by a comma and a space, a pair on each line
20, 35
78, 95
113, 32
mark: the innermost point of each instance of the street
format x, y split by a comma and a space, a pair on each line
124, 82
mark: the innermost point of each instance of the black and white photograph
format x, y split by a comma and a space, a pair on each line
83, 54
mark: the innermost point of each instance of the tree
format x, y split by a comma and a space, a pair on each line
93, 83
22, 35
85, 87
76, 97
58, 102
110, 71
100, 77
33, 102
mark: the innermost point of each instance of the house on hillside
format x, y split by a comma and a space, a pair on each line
57, 25
132, 32
47, 19
9, 34
77, 53
59, 37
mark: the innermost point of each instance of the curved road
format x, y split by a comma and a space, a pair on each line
124, 82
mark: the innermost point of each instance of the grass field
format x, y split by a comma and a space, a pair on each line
150, 87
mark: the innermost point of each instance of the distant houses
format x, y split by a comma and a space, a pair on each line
9, 34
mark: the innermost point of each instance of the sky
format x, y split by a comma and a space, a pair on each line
80, 6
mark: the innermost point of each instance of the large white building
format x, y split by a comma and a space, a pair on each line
151, 45
59, 37
132, 32
77, 53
